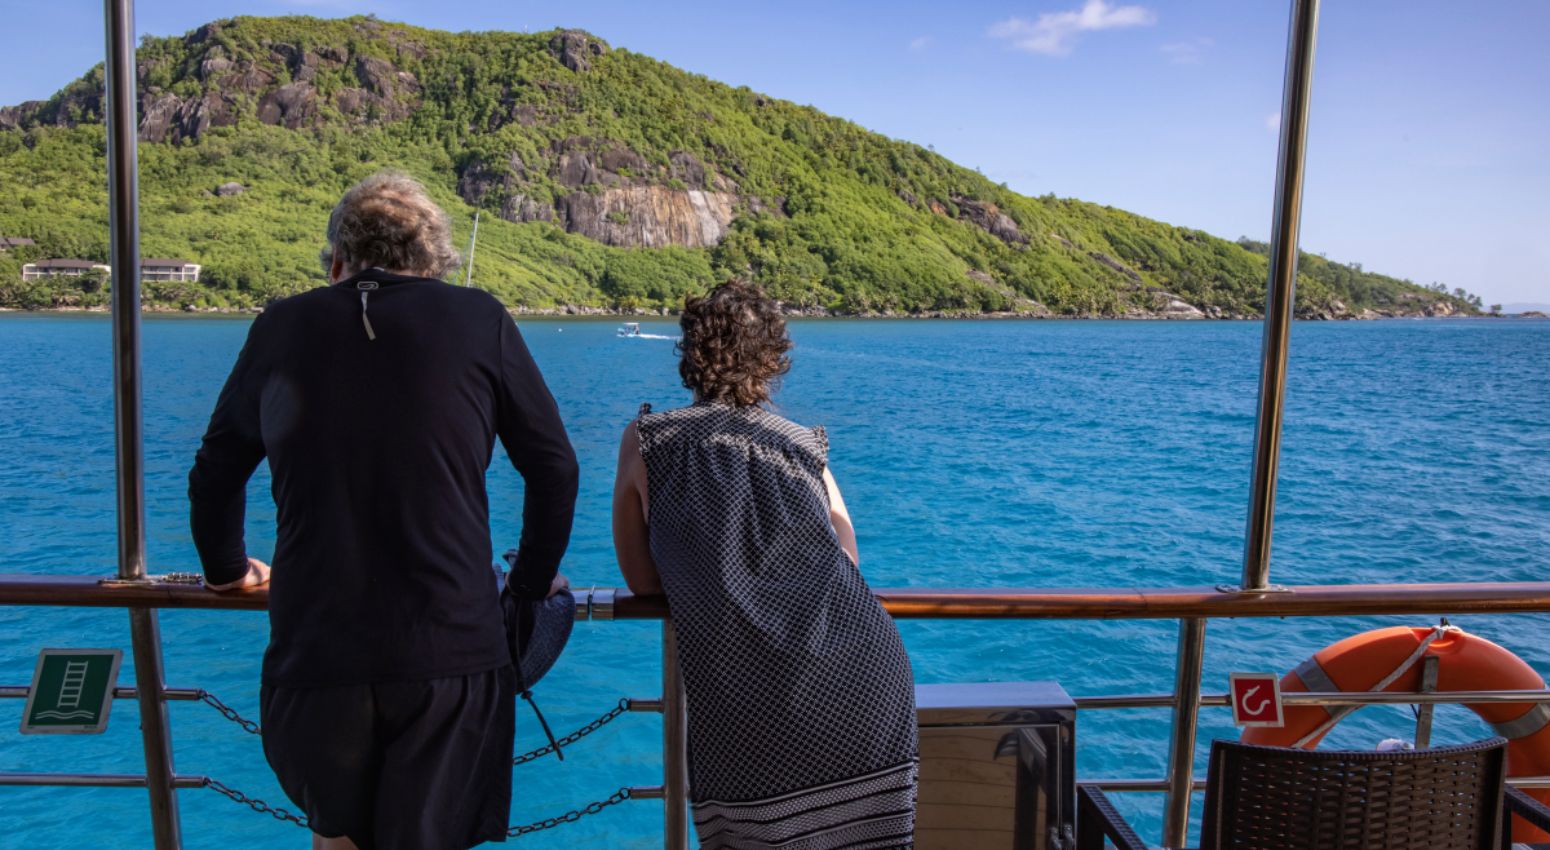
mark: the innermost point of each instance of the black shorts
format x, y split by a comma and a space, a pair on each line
419, 765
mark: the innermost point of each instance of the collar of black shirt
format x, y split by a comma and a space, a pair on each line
380, 277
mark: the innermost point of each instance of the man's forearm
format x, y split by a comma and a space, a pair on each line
217, 515
548, 512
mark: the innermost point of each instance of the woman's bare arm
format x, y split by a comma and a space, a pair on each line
839, 517
631, 540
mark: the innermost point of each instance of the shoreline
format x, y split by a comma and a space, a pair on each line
601, 313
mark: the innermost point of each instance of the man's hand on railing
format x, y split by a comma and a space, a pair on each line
559, 583
257, 575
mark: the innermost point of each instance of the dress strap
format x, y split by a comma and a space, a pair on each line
645, 430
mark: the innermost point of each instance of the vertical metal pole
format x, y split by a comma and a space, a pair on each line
675, 747
1424, 714
1186, 716
1279, 298
472, 242
124, 228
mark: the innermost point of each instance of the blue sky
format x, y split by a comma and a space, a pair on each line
1429, 148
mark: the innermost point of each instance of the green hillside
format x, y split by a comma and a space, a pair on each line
607, 180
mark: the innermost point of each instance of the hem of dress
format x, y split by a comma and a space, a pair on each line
800, 792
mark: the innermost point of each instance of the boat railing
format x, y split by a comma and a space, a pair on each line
1191, 607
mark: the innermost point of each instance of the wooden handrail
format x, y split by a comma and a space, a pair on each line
930, 603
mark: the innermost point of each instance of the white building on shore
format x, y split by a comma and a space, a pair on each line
61, 268
150, 269
180, 270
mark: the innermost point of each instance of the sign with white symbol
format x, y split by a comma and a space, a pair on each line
1256, 699
72, 690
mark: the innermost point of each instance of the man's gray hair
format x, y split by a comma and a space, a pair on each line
388, 221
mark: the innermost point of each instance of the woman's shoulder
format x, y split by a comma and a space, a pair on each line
813, 438
654, 428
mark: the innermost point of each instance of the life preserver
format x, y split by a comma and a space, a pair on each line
1388, 659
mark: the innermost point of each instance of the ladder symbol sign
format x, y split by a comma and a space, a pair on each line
71, 692
74, 681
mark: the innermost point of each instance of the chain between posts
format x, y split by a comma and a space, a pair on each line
228, 712
607, 718
571, 816
282, 814
285, 815
254, 803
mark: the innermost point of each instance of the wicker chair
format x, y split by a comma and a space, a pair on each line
1270, 798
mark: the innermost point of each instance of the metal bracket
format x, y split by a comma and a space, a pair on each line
186, 579
600, 603
1238, 589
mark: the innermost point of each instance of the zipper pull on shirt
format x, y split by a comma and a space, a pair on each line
366, 287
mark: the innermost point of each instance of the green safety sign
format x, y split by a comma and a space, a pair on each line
72, 690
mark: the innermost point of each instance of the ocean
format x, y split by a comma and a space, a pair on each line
971, 454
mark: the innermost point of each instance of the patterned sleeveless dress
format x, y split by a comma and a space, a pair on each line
800, 696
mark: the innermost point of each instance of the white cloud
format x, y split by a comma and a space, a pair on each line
1273, 122
1054, 33
920, 43
1186, 52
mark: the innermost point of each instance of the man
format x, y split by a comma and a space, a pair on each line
388, 693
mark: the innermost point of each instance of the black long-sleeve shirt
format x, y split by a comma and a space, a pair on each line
379, 419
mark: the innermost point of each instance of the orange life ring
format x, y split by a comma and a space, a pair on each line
1466, 662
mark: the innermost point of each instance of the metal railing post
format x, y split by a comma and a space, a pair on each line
675, 747
1186, 717
1426, 711
124, 227
1280, 294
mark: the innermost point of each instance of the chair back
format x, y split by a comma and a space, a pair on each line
1274, 798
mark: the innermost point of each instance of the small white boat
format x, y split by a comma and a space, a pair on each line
629, 329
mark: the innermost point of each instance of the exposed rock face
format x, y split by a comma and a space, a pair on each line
1171, 306
161, 116
991, 219
378, 76
618, 198
1127, 271
12, 117
597, 168
520, 207
687, 168
169, 118
292, 106
478, 178
229, 189
649, 216
576, 49
385, 93
248, 78
214, 65
304, 63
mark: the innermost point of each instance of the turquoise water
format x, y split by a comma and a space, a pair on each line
983, 454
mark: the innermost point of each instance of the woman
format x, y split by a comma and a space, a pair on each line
800, 695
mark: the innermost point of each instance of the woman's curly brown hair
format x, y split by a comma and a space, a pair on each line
734, 344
